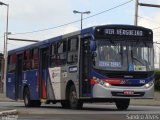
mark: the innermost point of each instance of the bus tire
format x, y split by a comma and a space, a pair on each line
122, 104
26, 98
73, 101
28, 102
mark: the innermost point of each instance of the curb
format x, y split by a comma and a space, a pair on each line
9, 112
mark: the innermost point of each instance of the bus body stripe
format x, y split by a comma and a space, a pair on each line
93, 81
110, 81
43, 90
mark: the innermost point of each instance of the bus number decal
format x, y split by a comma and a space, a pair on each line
109, 64
73, 69
142, 81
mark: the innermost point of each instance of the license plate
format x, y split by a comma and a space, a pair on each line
128, 92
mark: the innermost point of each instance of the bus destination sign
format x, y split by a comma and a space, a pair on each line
124, 32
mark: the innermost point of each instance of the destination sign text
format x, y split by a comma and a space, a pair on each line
123, 32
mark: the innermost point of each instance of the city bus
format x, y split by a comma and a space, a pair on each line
109, 63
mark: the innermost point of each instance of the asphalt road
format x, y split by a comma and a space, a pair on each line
89, 112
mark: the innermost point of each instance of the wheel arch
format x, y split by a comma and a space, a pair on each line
69, 84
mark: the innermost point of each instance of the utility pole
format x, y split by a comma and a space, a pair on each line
136, 13
141, 4
6, 53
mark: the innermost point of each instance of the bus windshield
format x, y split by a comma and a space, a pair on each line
124, 56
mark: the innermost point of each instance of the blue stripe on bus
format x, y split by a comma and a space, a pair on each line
10, 86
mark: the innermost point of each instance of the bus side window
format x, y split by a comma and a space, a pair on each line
72, 56
53, 57
34, 58
27, 62
62, 49
12, 63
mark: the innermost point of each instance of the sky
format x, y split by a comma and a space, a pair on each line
32, 15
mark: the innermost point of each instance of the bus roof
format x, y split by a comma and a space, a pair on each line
41, 44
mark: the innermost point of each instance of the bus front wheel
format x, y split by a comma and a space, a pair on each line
122, 104
75, 103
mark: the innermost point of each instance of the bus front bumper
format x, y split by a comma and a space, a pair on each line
100, 91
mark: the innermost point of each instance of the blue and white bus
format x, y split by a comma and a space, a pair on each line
111, 63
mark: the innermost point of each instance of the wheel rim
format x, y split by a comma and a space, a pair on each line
26, 99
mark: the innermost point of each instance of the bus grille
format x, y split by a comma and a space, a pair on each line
121, 94
124, 74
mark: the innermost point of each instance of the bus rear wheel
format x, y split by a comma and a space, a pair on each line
28, 102
26, 97
122, 104
73, 101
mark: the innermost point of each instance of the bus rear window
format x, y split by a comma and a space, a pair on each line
34, 58
27, 62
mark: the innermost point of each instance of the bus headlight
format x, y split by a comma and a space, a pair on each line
148, 84
102, 82
106, 84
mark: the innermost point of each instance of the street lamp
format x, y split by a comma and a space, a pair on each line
5, 48
87, 12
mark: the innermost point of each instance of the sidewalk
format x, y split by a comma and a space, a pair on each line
148, 102
3, 98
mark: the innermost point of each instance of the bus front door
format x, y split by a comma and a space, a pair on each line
18, 82
85, 87
43, 71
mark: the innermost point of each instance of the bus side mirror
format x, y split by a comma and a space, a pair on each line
92, 45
